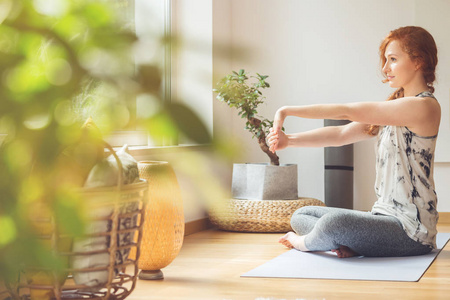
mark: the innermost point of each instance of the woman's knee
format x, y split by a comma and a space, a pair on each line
301, 211
297, 224
302, 221
337, 223
309, 210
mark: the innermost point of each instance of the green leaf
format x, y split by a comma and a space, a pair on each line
241, 72
8, 60
189, 123
9, 230
161, 126
149, 77
97, 15
68, 214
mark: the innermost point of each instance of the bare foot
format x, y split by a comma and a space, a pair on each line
344, 252
292, 240
285, 240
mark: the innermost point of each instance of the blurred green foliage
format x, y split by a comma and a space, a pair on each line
59, 64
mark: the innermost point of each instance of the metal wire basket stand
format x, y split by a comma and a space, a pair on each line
122, 277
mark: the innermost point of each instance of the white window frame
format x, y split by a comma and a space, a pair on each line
186, 68
140, 138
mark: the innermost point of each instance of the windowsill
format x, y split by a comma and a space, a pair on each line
145, 150
138, 139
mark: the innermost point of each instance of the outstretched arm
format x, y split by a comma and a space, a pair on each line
413, 112
331, 136
421, 115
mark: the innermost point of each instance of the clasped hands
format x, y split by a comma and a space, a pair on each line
277, 139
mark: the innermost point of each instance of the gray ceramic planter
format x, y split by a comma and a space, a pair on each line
264, 182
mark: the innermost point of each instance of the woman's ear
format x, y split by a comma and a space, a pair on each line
418, 65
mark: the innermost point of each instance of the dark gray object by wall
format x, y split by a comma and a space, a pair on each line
338, 172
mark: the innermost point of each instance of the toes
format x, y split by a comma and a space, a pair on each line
338, 252
288, 245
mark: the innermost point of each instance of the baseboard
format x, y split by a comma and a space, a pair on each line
197, 226
444, 218
205, 224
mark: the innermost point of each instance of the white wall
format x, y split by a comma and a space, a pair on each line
192, 63
222, 54
319, 51
435, 16
323, 52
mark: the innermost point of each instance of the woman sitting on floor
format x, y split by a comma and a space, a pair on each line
404, 217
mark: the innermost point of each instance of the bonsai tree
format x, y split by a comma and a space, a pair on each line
243, 92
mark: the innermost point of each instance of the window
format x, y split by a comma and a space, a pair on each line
192, 62
186, 64
151, 21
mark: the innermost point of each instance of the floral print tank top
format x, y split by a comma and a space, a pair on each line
404, 182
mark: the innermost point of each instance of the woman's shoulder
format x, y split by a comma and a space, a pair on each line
430, 110
428, 102
426, 94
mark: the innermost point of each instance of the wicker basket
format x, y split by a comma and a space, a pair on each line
258, 215
121, 203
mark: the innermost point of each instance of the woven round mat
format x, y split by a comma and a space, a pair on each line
258, 215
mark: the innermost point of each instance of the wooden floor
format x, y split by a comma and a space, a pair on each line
210, 263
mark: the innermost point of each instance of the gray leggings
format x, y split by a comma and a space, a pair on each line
327, 228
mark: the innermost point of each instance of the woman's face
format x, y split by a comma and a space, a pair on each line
399, 68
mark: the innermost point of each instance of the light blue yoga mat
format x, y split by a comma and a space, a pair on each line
326, 265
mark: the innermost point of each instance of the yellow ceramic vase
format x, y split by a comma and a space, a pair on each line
163, 230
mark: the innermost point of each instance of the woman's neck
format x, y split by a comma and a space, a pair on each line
411, 92
415, 86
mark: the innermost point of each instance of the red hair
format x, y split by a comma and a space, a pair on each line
421, 48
